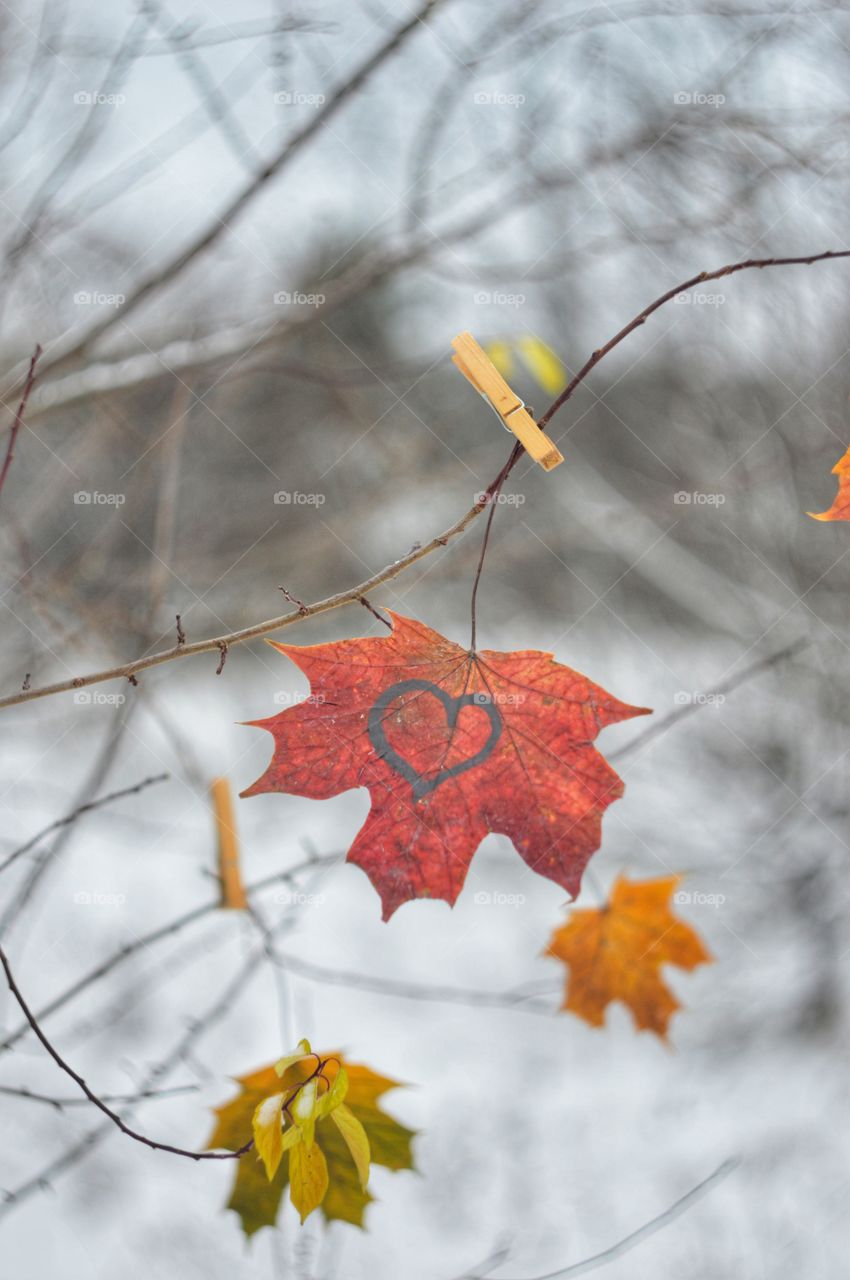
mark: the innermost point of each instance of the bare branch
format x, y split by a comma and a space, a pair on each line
354, 595
193, 37
78, 813
99, 1102
87, 792
59, 1104
76, 1153
649, 1228
244, 197
727, 686
211, 98
81, 144
521, 1001
145, 941
19, 416
644, 315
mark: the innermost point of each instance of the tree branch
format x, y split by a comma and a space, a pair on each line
223, 220
521, 1001
144, 941
661, 726
14, 1199
99, 1102
649, 1228
644, 315
78, 813
45, 858
19, 416
59, 1104
353, 596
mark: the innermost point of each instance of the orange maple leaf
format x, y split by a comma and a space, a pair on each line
452, 744
616, 952
840, 509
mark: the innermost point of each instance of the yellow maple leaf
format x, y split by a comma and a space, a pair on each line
616, 952
345, 1148
542, 363
502, 356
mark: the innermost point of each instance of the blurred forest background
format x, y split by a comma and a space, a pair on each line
245, 236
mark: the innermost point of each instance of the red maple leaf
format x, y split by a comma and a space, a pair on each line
452, 744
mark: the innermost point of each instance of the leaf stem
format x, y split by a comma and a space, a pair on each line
492, 497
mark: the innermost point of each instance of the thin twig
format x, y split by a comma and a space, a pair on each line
99, 1102
48, 857
351, 596
19, 416
521, 1001
78, 813
216, 103
391, 571
649, 1228
644, 315
216, 1011
291, 599
727, 686
144, 941
374, 612
202, 38
59, 1104
224, 219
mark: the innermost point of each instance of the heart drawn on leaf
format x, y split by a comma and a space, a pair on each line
453, 705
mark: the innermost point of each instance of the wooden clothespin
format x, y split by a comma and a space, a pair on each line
232, 889
476, 366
